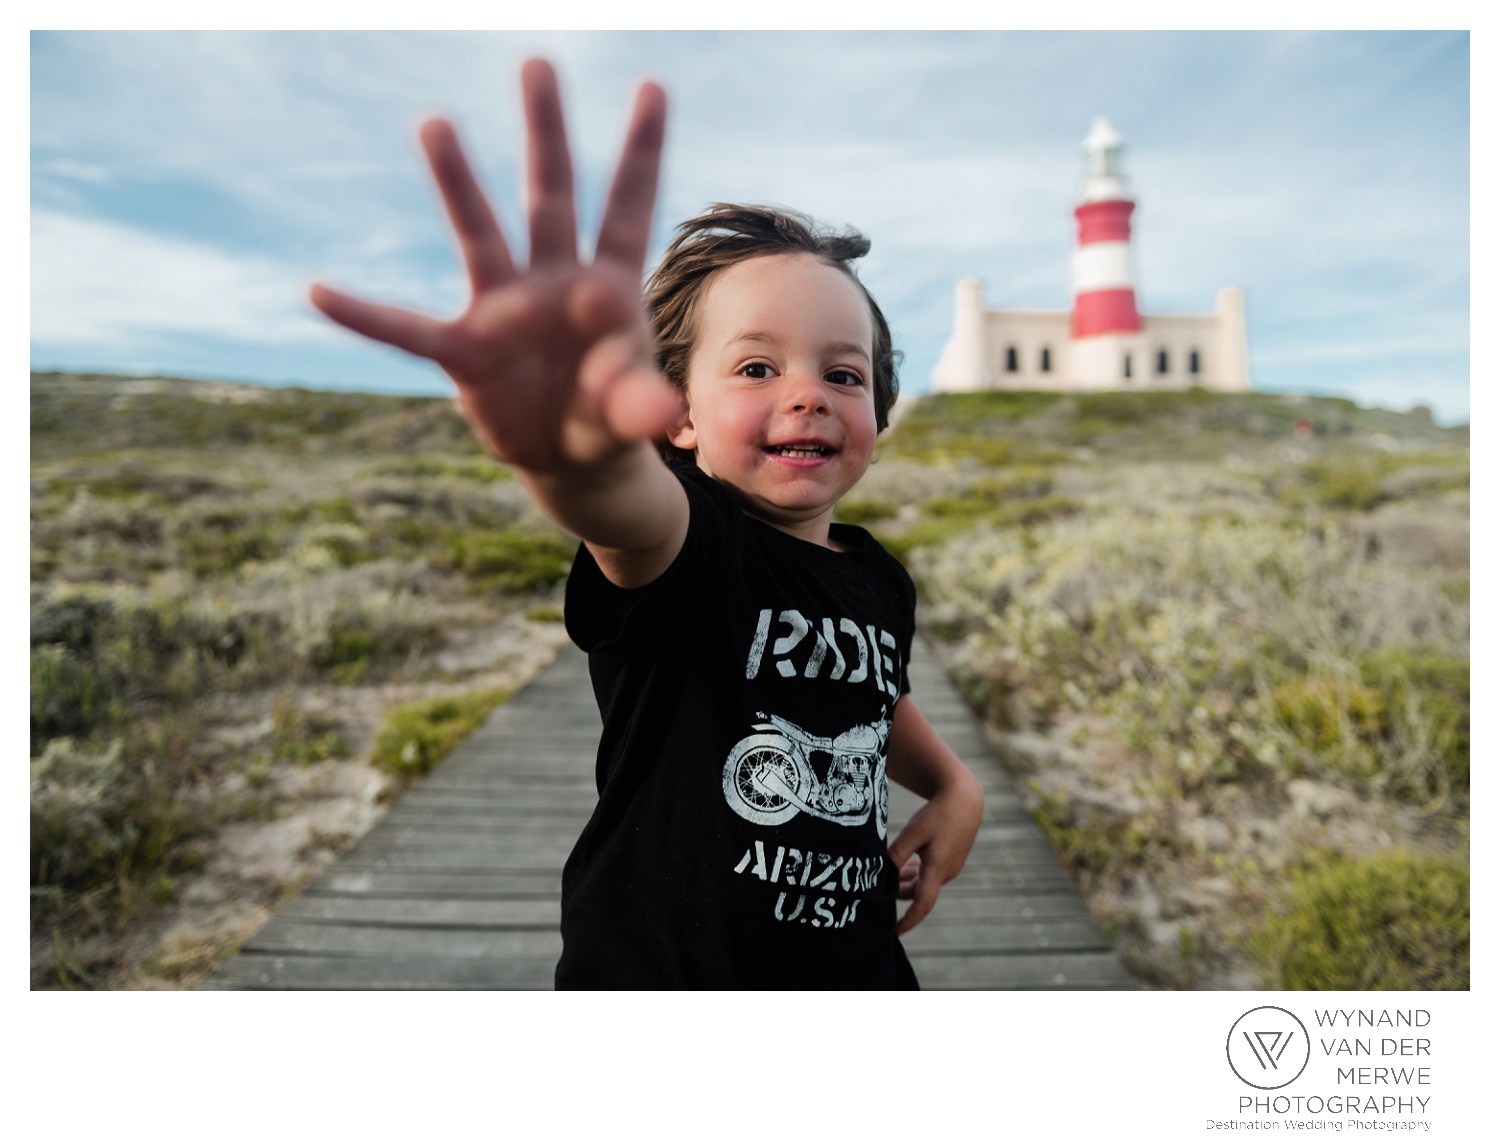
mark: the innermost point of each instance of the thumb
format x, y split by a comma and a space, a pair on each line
629, 398
905, 845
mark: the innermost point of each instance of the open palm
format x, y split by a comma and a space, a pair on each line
552, 361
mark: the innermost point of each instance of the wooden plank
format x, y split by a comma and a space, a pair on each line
438, 884
1078, 933
956, 905
510, 857
424, 911
1084, 970
430, 972
290, 937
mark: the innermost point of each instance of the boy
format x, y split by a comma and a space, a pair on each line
747, 653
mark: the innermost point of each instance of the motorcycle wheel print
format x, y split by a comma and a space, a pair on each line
882, 800
764, 752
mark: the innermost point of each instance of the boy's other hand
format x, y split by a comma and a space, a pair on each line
553, 362
933, 846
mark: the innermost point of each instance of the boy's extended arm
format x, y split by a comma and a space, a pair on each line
553, 361
942, 831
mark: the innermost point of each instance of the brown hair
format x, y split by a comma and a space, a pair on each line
726, 234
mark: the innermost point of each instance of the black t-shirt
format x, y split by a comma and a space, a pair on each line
740, 836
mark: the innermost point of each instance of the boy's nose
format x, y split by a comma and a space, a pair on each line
804, 393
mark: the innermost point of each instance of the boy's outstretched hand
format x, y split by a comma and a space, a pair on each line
552, 362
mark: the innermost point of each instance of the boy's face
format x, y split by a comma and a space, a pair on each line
780, 388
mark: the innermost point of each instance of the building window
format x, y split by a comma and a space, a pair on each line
1011, 364
1127, 366
1046, 360
1162, 361
1193, 362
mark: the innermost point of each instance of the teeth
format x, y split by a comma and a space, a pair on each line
801, 452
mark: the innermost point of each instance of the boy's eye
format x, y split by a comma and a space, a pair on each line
844, 376
756, 370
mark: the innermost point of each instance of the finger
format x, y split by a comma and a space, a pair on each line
479, 235
554, 233
419, 335
627, 397
922, 904
626, 230
642, 405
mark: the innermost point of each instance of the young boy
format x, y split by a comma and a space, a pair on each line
747, 653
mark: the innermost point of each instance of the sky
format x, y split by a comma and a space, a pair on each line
187, 186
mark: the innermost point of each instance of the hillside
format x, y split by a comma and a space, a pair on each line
234, 590
1222, 644
1220, 641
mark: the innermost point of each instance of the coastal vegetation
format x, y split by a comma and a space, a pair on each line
1220, 641
232, 587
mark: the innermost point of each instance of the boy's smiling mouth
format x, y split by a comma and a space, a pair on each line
803, 452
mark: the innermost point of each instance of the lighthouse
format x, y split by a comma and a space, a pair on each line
1105, 325
1104, 341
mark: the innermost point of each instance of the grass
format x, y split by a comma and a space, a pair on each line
510, 561
862, 511
1394, 921
1016, 496
414, 738
481, 469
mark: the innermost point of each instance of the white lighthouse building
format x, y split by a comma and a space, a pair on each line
1104, 341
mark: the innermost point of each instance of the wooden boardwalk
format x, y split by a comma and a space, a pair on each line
458, 885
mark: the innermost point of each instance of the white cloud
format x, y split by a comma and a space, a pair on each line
100, 285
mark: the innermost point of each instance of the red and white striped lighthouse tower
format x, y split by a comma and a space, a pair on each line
1106, 325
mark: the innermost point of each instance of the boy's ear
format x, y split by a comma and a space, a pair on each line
683, 435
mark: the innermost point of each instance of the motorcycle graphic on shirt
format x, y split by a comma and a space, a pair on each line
769, 776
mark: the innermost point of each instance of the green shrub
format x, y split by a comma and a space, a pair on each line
80, 829
1091, 845
862, 511
301, 737
1021, 481
221, 541
951, 515
544, 614
69, 697
95, 657
1433, 687
1030, 512
371, 633
947, 448
1337, 721
481, 469
106, 813
1344, 486
413, 738
339, 509
1394, 921
928, 533
511, 561
1403, 727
